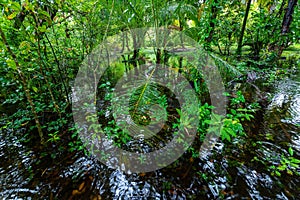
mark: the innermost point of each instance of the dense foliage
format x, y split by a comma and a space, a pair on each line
43, 43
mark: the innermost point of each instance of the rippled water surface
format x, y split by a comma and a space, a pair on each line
228, 172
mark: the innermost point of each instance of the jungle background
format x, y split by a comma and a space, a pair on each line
254, 44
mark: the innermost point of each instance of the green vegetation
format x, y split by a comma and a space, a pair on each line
43, 44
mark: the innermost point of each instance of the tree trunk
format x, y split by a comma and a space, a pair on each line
288, 17
240, 42
212, 23
285, 28
26, 89
214, 13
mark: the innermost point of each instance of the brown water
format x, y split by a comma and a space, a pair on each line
225, 173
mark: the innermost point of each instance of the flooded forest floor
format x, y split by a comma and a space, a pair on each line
246, 168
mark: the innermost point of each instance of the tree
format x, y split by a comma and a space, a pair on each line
286, 22
212, 23
240, 42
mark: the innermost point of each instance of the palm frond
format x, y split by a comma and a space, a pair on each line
227, 70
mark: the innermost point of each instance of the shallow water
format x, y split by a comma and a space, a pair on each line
227, 172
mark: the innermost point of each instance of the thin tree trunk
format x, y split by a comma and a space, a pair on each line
214, 13
24, 82
240, 42
46, 79
288, 17
287, 20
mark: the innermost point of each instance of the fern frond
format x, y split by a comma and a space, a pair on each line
226, 69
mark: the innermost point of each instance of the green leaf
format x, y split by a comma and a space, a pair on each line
25, 46
289, 172
291, 152
30, 69
294, 165
230, 132
42, 28
228, 138
233, 111
247, 117
12, 15
225, 135
277, 173
34, 89
15, 6
44, 15
282, 167
294, 160
28, 6
11, 64
226, 94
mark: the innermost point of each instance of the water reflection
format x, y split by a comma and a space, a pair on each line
25, 174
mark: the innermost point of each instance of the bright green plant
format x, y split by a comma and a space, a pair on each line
204, 119
288, 164
231, 126
53, 137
